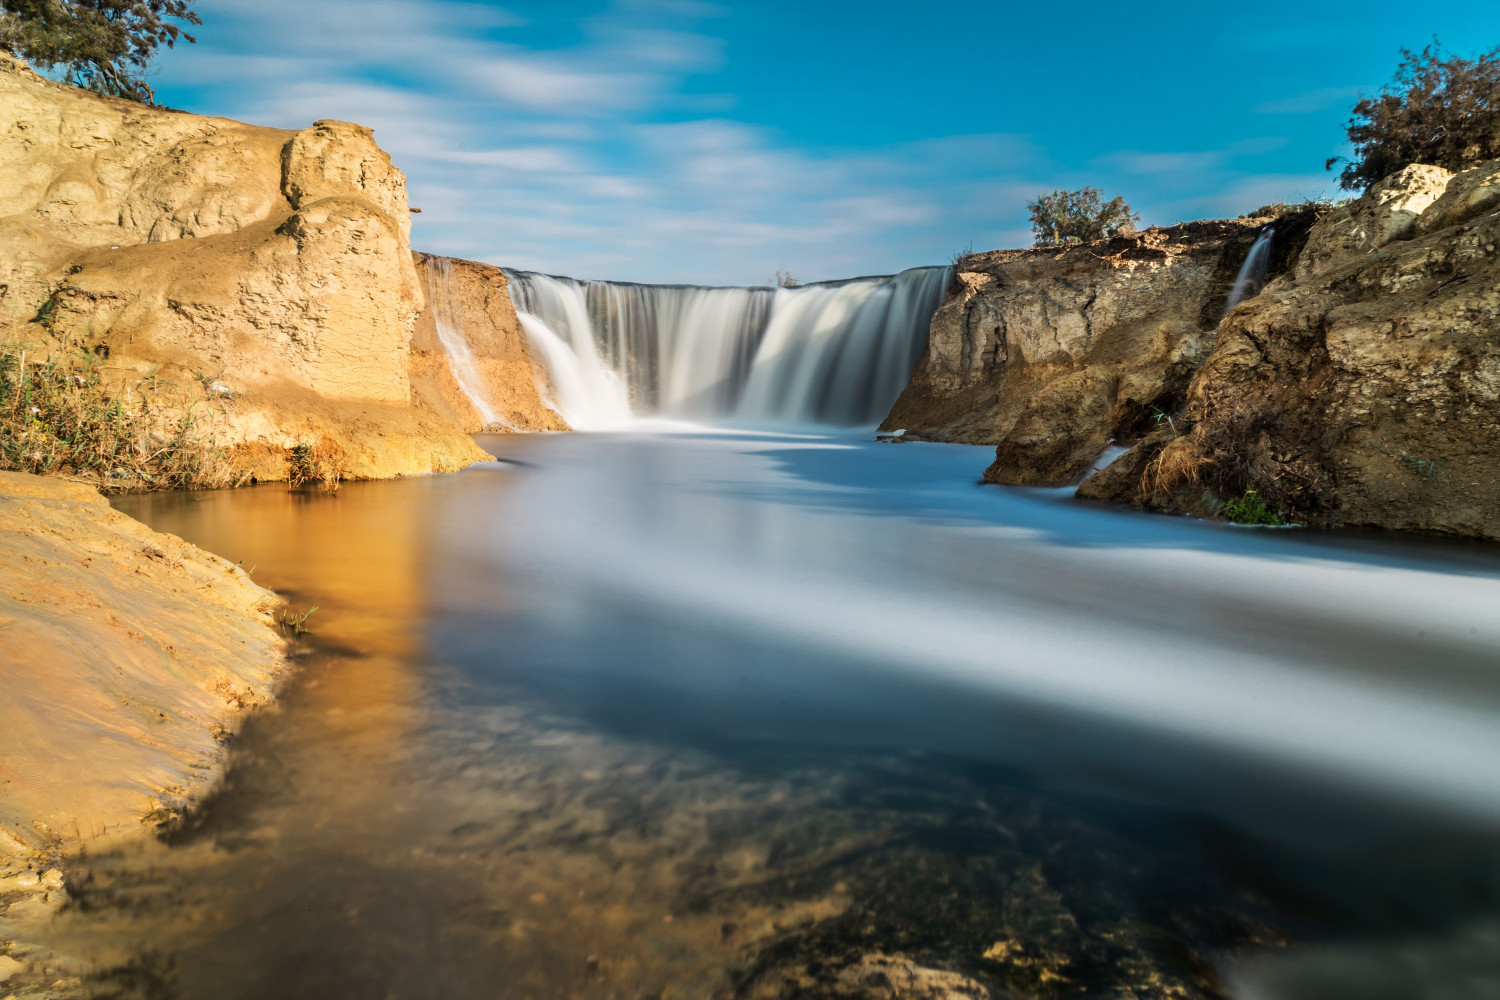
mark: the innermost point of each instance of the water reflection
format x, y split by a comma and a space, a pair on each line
718, 715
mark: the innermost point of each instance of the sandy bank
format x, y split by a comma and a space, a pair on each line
127, 654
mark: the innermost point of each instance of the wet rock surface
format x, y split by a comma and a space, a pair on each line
508, 373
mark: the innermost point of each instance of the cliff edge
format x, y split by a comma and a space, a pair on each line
1362, 387
266, 272
1053, 352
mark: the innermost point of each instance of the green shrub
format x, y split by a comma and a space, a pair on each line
104, 45
59, 415
1441, 112
1079, 216
1251, 509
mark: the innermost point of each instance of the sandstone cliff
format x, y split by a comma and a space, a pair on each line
496, 386
127, 652
1362, 388
269, 270
1051, 353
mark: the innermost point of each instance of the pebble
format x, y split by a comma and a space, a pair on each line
9, 967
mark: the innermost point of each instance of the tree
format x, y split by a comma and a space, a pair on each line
1078, 217
1441, 112
104, 45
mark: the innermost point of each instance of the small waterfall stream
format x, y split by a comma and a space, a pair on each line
829, 353
448, 317
1252, 274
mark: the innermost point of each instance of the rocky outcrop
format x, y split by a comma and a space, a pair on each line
128, 656
270, 270
499, 391
1051, 353
1360, 389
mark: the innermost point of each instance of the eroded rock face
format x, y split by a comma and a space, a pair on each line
1050, 353
1388, 212
273, 264
510, 380
126, 653
1469, 195
1363, 392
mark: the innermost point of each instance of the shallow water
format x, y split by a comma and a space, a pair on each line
714, 714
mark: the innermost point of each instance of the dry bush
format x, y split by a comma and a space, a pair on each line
1442, 111
1174, 469
1079, 216
60, 416
1242, 450
320, 464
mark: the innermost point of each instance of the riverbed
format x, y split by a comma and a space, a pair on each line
702, 713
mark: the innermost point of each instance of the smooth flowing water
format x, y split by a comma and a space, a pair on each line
448, 318
834, 353
1251, 277
746, 715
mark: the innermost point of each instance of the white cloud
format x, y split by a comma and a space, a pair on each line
548, 85
1135, 162
617, 154
1310, 102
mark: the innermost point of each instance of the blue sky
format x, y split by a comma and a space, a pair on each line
682, 140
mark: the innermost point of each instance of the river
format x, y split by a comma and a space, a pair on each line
679, 712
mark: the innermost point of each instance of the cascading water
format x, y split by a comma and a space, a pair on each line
1252, 274
831, 353
447, 316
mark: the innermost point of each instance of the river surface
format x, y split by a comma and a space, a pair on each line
710, 714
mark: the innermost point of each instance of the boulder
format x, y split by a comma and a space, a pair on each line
1388, 211
1365, 393
1470, 194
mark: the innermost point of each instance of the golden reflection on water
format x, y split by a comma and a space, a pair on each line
387, 831
533, 859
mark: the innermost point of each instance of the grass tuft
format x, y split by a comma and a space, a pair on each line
293, 622
59, 415
320, 464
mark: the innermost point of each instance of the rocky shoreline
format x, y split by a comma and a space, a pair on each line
1359, 388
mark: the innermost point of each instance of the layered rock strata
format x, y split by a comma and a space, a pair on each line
267, 272
1052, 353
1361, 388
473, 300
128, 655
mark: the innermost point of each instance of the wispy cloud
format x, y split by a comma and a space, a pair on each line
609, 148
1310, 102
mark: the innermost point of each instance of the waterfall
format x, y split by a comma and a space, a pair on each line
1252, 275
448, 317
832, 353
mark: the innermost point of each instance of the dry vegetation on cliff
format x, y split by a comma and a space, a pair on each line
62, 414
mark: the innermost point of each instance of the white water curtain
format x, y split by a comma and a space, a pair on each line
831, 353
